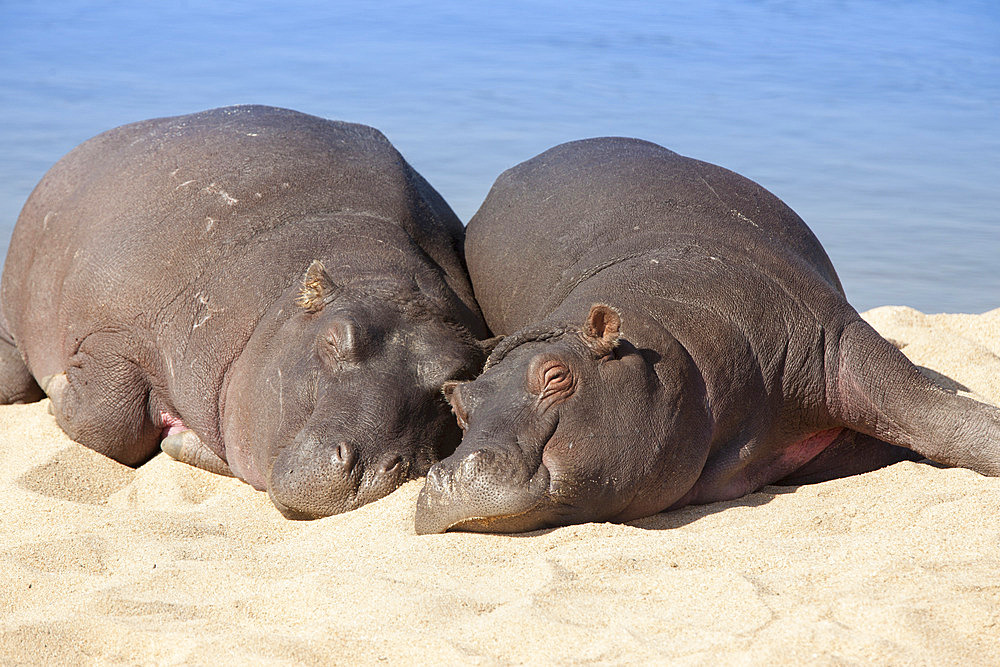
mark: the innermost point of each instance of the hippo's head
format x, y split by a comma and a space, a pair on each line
339, 403
551, 432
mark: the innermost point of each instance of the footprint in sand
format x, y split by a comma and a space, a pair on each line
78, 475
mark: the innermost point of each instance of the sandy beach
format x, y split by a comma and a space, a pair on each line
167, 564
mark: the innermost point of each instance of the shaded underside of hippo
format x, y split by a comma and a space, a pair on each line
674, 334
270, 294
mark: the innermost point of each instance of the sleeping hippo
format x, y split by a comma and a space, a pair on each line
272, 295
675, 335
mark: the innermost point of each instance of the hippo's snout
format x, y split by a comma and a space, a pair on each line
485, 490
315, 477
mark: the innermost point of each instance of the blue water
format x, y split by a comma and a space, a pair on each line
878, 122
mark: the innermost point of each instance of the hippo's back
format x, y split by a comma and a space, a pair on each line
170, 209
586, 205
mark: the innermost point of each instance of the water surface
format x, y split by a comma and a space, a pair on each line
878, 122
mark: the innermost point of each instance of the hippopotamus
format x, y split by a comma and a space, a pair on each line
268, 294
674, 334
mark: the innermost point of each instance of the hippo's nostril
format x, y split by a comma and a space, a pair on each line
343, 455
391, 464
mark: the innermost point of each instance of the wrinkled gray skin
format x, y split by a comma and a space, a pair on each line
675, 335
166, 278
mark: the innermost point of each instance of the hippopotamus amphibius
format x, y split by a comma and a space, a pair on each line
674, 334
270, 294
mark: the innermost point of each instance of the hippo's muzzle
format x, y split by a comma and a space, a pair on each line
486, 490
315, 478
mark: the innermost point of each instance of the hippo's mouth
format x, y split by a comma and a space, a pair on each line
312, 482
344, 498
465, 497
508, 523
292, 513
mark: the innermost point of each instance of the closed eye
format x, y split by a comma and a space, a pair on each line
556, 379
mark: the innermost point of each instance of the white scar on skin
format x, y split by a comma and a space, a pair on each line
707, 185
206, 316
281, 401
743, 217
226, 198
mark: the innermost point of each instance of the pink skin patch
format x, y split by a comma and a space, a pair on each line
751, 479
804, 451
171, 425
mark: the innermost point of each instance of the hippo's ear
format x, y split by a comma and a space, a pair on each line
317, 288
603, 328
455, 399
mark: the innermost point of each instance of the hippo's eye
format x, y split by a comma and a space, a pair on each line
549, 378
556, 378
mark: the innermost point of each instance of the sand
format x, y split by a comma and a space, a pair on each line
166, 564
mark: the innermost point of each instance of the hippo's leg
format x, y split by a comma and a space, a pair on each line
16, 383
102, 398
187, 447
852, 453
879, 392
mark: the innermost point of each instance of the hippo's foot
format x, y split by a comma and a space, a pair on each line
187, 447
102, 401
54, 386
16, 383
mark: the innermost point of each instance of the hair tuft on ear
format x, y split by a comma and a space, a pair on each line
317, 288
448, 388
